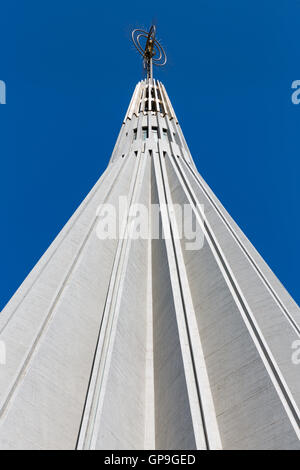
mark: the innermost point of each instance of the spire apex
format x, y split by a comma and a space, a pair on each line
151, 51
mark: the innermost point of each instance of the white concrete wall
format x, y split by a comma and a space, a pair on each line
123, 344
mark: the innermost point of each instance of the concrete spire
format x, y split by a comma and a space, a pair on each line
143, 343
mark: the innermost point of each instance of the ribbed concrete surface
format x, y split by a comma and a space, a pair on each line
132, 344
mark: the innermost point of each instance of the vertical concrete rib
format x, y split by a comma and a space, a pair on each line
149, 376
255, 332
198, 425
87, 433
208, 413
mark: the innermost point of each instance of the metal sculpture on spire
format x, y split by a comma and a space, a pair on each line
152, 51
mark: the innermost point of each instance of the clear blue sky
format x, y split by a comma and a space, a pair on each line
70, 71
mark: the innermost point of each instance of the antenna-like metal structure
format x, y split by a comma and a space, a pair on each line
152, 51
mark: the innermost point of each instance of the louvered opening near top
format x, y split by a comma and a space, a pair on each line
150, 97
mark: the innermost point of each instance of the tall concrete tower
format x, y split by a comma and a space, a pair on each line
121, 341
